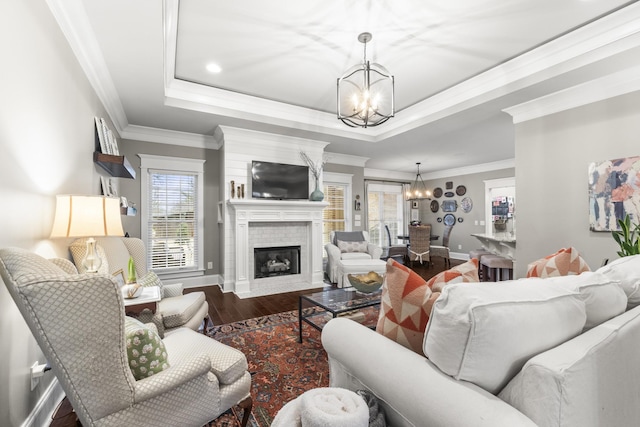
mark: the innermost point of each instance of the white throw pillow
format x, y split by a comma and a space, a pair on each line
626, 270
603, 297
485, 333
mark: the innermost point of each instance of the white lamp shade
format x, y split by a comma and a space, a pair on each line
87, 216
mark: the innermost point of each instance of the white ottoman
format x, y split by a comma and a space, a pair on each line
358, 266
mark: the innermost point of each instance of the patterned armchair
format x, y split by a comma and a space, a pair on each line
175, 308
79, 323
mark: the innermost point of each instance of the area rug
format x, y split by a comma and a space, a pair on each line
281, 367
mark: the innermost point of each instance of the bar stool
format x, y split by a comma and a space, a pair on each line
478, 254
493, 267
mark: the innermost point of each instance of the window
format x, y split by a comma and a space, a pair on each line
337, 192
172, 214
385, 206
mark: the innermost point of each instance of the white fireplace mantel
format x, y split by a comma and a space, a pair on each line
245, 211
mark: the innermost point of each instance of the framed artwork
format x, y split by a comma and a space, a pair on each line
614, 191
119, 277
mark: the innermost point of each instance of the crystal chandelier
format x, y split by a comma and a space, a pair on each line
418, 191
365, 92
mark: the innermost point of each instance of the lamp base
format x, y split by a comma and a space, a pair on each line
91, 261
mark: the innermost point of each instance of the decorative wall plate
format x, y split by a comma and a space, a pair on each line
460, 219
461, 190
449, 194
448, 185
449, 219
439, 219
466, 204
437, 192
449, 206
435, 206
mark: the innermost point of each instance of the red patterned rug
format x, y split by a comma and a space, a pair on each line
281, 367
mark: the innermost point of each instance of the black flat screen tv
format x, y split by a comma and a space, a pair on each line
279, 181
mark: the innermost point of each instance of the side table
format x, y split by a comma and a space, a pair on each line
148, 300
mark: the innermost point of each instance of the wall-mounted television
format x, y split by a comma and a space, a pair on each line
279, 181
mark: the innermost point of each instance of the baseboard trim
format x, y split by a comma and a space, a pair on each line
198, 281
46, 406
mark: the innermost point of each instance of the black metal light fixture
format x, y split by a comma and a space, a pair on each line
365, 92
418, 190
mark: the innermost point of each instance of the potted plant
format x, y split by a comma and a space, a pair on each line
628, 237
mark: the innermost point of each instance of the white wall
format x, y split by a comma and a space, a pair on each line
46, 136
552, 156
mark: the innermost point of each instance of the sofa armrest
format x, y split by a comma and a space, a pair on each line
195, 368
411, 389
374, 250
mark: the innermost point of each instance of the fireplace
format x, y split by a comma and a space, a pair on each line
276, 261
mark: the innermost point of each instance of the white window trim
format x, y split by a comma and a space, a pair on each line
176, 164
345, 179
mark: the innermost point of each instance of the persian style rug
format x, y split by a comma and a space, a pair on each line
281, 367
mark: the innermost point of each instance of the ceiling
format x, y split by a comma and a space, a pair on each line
457, 65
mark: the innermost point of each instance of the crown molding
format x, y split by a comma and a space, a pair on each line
164, 136
382, 174
253, 139
74, 23
468, 170
615, 84
345, 159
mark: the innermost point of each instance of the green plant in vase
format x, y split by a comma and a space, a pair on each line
131, 271
628, 237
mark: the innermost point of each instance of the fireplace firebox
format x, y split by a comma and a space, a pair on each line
276, 261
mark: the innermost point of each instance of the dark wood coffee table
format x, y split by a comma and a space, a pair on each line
334, 301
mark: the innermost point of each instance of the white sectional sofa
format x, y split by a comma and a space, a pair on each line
531, 352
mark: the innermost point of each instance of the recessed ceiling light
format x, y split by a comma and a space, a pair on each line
213, 68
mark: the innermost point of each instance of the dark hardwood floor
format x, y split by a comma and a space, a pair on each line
228, 308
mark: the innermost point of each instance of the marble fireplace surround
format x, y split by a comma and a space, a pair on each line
245, 213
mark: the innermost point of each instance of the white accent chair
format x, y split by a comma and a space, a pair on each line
176, 309
78, 321
334, 253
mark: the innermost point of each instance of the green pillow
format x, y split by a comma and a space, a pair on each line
145, 350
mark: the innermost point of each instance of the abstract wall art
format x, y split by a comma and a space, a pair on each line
614, 191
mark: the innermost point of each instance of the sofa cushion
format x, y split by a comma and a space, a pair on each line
355, 246
176, 311
355, 255
145, 350
563, 263
466, 272
347, 236
485, 333
589, 381
405, 305
603, 297
626, 270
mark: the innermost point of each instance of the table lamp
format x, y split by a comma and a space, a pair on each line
87, 216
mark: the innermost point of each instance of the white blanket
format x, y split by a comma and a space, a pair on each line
324, 407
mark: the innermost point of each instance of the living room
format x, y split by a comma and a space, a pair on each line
47, 129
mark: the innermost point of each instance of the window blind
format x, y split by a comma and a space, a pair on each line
172, 221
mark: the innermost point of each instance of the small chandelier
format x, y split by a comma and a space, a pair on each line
365, 92
418, 191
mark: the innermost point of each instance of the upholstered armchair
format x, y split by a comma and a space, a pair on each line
175, 308
348, 245
79, 323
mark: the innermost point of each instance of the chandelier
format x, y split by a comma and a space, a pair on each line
418, 191
365, 92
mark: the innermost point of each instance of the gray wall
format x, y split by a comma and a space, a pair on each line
47, 138
461, 240
552, 156
131, 190
358, 189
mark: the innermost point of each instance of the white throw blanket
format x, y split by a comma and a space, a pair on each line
324, 407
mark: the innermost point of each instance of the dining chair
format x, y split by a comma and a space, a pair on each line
443, 250
419, 243
393, 251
